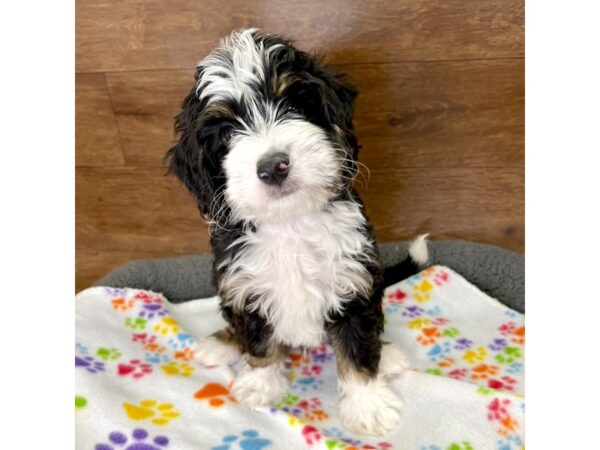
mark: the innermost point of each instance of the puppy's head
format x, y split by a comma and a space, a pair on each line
266, 133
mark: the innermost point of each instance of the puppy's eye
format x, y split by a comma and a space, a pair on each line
292, 109
226, 135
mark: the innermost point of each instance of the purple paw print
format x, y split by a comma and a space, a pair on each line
463, 343
413, 311
89, 363
119, 441
152, 310
498, 344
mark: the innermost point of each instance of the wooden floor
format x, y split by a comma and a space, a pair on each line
440, 115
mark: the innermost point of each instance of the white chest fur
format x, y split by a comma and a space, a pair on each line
302, 270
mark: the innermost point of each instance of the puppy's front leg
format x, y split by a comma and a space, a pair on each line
367, 404
263, 381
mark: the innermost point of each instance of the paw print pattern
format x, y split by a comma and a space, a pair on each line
509, 355
136, 323
152, 310
121, 304
297, 359
505, 383
215, 394
181, 340
321, 354
428, 336
187, 354
116, 292
89, 363
441, 277
167, 326
396, 297
507, 328
140, 440
81, 349
422, 291
413, 311
155, 412
458, 374
108, 354
418, 323
176, 368
305, 384
156, 358
475, 356
80, 402
135, 368
518, 336
463, 344
247, 440
439, 351
498, 345
451, 332
484, 371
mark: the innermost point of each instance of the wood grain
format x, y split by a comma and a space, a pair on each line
451, 114
123, 35
96, 133
136, 209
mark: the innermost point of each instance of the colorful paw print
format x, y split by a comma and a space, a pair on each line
498, 345
475, 356
89, 363
81, 349
297, 359
135, 368
215, 394
441, 277
451, 332
139, 441
116, 292
321, 354
484, 371
462, 344
152, 310
458, 374
121, 304
413, 311
108, 354
155, 412
428, 336
136, 323
187, 354
439, 352
246, 440
156, 358
509, 355
176, 368
307, 383
418, 323
507, 328
396, 297
167, 326
422, 291
80, 402
181, 340
505, 383
518, 336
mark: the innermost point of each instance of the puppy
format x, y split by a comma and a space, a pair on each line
268, 149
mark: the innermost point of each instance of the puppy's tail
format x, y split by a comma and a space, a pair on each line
418, 257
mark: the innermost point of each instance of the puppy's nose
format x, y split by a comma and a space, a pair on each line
273, 168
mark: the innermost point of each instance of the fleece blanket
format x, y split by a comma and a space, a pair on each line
139, 388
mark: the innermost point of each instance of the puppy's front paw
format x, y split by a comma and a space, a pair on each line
369, 407
212, 351
260, 386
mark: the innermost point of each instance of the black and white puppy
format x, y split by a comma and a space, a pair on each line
267, 147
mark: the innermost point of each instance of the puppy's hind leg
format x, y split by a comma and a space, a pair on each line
218, 349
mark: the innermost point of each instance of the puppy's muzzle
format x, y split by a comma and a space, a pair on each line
273, 168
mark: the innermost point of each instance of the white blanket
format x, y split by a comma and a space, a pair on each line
138, 387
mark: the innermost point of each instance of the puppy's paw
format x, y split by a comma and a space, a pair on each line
260, 386
369, 407
393, 361
212, 351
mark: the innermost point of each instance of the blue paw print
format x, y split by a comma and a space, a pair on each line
182, 340
414, 279
390, 309
430, 447
515, 368
139, 441
439, 352
81, 349
247, 440
306, 383
155, 358
435, 311
510, 313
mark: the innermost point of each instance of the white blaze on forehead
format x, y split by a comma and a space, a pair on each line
231, 70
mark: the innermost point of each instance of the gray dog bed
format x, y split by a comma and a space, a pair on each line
500, 273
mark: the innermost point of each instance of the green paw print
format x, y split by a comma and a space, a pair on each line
106, 354
80, 402
483, 390
137, 323
510, 355
462, 446
289, 400
434, 371
333, 444
451, 332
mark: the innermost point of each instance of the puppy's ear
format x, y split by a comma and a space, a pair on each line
185, 159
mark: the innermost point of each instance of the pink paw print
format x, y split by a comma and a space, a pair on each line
441, 278
397, 297
311, 434
135, 368
458, 374
507, 328
314, 370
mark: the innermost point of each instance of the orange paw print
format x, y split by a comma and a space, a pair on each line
215, 393
519, 336
422, 291
448, 362
120, 304
428, 336
153, 347
475, 356
187, 354
484, 371
298, 359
